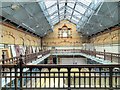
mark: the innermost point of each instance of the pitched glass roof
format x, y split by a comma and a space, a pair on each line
76, 11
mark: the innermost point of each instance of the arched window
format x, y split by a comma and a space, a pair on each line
64, 32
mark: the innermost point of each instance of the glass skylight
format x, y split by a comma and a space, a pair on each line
86, 2
71, 4
80, 9
49, 3
61, 5
52, 9
76, 11
77, 14
69, 10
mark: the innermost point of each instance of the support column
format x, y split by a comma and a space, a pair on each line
119, 38
41, 43
46, 61
3, 57
21, 70
104, 55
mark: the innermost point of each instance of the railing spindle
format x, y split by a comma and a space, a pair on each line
69, 81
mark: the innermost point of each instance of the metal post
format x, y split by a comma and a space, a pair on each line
69, 79
110, 78
16, 83
58, 77
21, 69
3, 57
111, 57
41, 43
119, 73
89, 52
25, 57
95, 52
104, 55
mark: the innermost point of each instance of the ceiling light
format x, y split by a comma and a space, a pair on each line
28, 27
100, 25
42, 28
45, 33
37, 26
87, 22
87, 32
15, 6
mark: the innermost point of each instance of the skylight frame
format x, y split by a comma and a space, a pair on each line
89, 7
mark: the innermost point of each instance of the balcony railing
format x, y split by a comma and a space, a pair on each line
21, 76
103, 55
27, 58
30, 57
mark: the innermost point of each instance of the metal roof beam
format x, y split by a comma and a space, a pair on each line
65, 9
73, 9
58, 10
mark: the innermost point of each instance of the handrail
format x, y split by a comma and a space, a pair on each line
63, 66
104, 55
27, 58
34, 56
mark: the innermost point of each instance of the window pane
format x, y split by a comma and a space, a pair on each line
55, 18
54, 21
69, 10
54, 15
68, 13
83, 19
49, 3
86, 2
62, 11
65, 34
72, 1
95, 4
62, 1
61, 17
71, 5
52, 9
77, 14
80, 9
88, 13
61, 5
75, 19
68, 17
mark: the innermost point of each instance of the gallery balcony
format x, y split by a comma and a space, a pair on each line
23, 72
